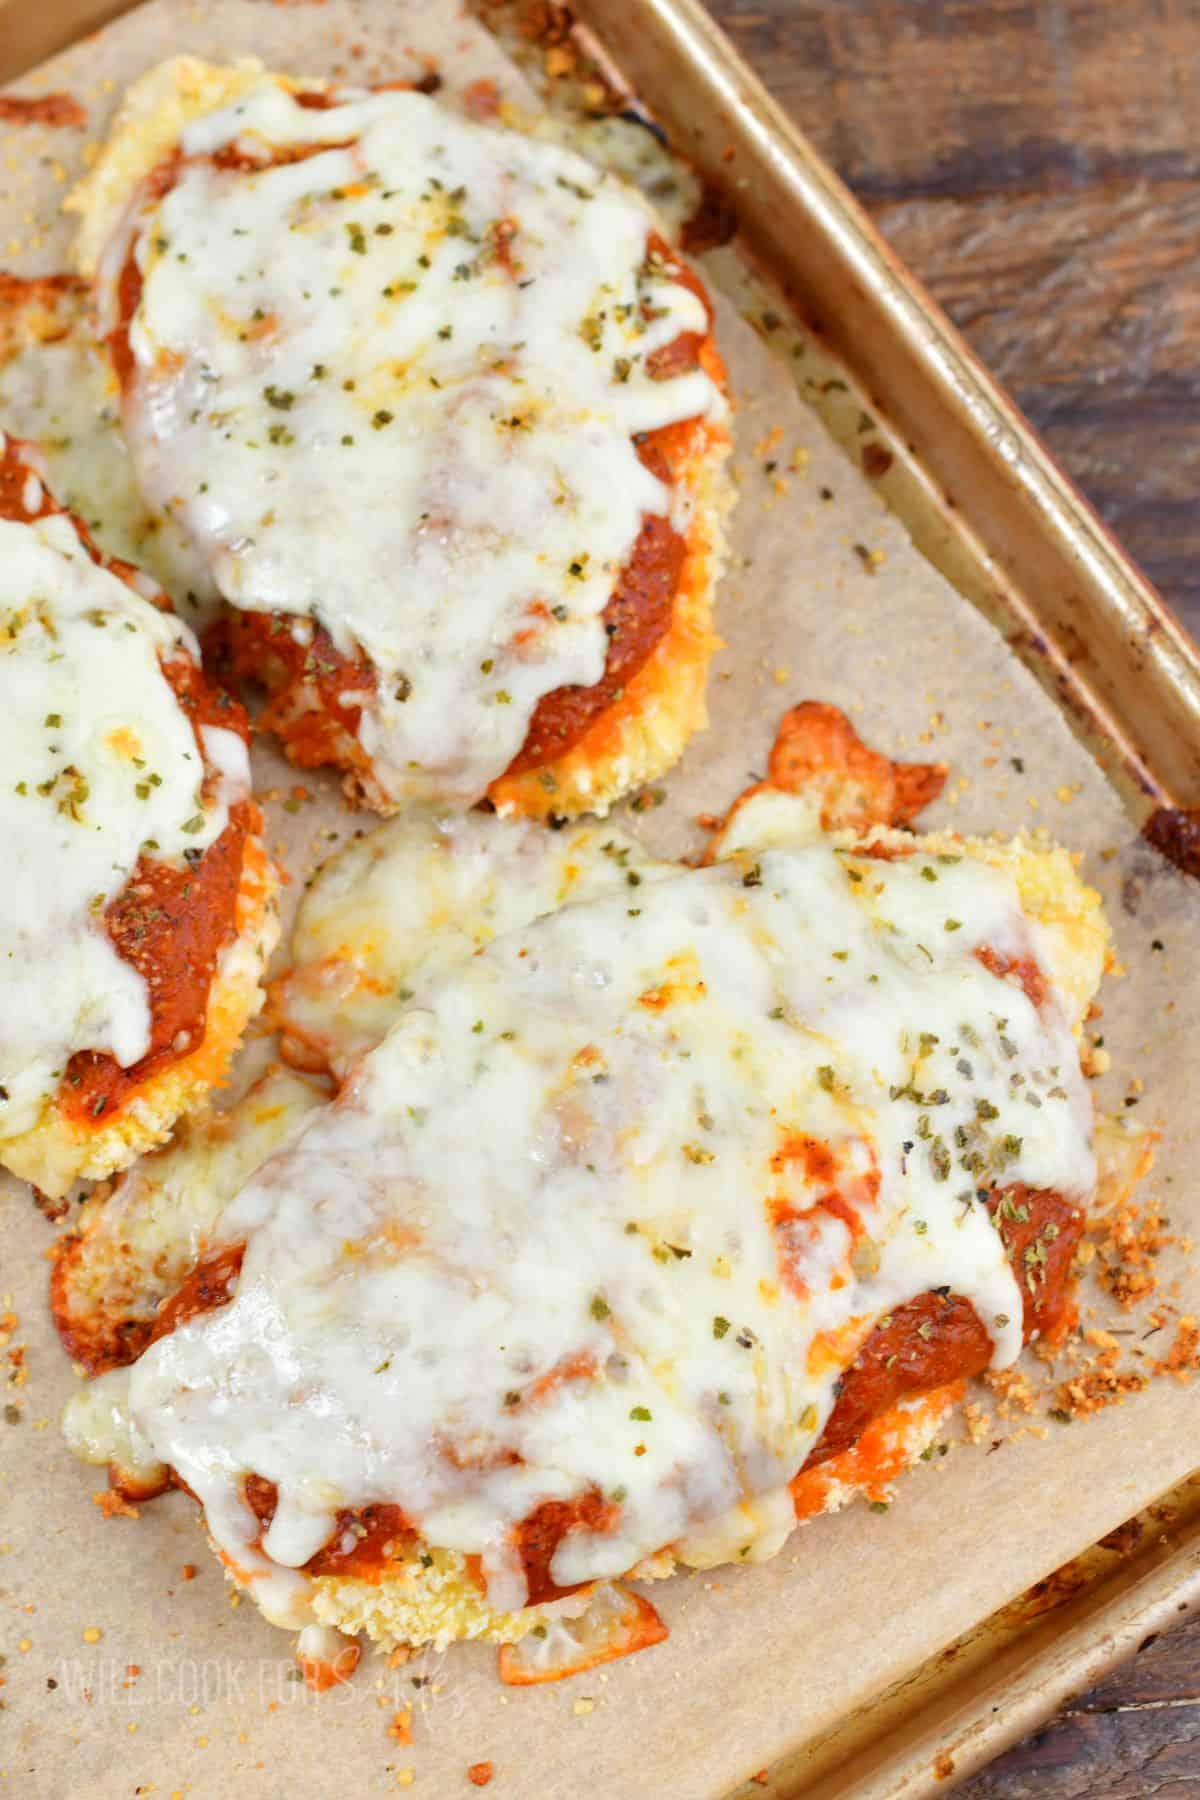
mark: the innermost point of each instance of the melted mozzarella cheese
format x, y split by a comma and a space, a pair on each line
62, 395
393, 388
100, 763
418, 896
139, 1242
565, 1229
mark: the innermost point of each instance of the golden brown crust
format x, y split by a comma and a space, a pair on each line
62, 1149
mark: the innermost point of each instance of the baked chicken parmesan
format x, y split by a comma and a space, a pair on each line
440, 414
138, 911
670, 1205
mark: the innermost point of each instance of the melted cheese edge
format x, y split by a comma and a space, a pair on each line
62, 395
393, 388
421, 894
584, 1149
101, 762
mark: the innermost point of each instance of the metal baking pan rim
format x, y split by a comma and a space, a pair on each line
953, 1725
1097, 620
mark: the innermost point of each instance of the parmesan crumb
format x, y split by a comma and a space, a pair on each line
113, 1505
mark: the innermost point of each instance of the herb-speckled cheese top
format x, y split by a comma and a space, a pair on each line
393, 388
610, 1208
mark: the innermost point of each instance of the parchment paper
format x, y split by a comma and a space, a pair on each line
758, 1658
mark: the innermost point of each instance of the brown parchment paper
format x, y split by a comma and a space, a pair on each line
824, 597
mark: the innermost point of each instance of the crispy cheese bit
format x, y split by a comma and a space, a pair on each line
53, 110
114, 1505
617, 1623
819, 759
818, 753
326, 1657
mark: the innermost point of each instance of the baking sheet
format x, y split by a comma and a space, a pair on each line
824, 597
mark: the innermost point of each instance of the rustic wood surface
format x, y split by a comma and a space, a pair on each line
1135, 1737
1037, 164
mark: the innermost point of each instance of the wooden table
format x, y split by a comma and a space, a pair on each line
1037, 164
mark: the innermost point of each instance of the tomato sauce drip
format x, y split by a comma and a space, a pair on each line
680, 357
262, 647
378, 1536
1040, 1231
129, 282
169, 924
938, 1338
639, 614
1024, 968
379, 1531
930, 1341
365, 1542
207, 1287
15, 472
636, 619
539, 1536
